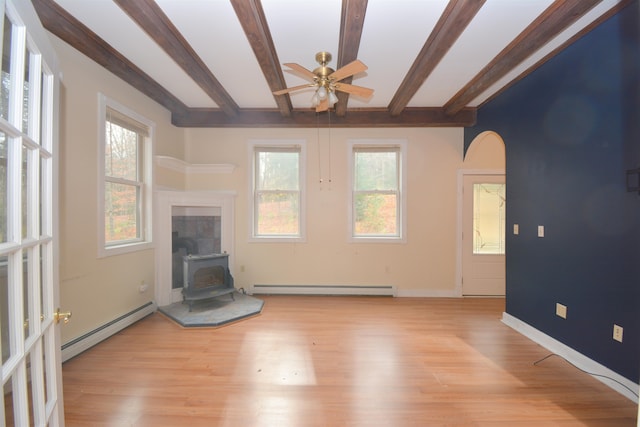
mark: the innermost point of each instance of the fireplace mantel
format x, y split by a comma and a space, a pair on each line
165, 201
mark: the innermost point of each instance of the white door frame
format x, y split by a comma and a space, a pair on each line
165, 201
460, 185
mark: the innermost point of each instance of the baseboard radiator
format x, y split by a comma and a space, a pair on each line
382, 290
88, 340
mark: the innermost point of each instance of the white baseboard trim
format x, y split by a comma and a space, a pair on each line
384, 290
574, 357
426, 293
88, 340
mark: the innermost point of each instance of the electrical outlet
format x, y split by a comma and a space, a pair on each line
617, 333
541, 231
143, 287
561, 310
516, 229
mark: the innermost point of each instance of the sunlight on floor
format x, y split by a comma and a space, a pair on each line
277, 357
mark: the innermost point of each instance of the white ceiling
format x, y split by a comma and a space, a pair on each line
394, 32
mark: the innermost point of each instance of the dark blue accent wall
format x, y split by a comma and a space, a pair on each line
572, 130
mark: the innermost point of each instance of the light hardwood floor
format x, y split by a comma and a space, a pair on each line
336, 361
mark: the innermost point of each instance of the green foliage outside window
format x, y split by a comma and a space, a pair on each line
122, 187
376, 185
277, 192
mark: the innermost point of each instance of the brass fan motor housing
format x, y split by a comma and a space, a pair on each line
323, 58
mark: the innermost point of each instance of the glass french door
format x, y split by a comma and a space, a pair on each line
30, 341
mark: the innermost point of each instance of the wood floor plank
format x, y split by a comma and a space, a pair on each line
336, 361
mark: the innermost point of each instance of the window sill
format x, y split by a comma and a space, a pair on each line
104, 252
277, 239
396, 240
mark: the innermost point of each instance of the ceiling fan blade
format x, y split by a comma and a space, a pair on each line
291, 89
323, 105
303, 72
363, 92
350, 69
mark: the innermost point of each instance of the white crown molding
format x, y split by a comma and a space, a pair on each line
181, 166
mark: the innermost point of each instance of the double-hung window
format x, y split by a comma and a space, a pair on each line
125, 196
377, 208
277, 191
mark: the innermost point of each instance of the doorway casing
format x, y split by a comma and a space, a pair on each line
485, 156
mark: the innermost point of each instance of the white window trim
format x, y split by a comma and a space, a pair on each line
278, 143
402, 145
146, 242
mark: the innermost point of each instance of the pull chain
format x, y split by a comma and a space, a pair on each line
329, 163
318, 144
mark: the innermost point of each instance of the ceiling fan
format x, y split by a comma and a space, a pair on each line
327, 81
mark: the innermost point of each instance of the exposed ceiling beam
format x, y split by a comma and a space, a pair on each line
555, 19
370, 117
455, 18
64, 26
351, 24
254, 23
157, 25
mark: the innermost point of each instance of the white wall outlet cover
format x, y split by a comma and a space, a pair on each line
561, 310
516, 229
541, 231
617, 333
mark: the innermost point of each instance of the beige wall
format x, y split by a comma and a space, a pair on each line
487, 151
98, 290
424, 266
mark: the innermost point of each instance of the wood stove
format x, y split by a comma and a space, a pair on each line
205, 277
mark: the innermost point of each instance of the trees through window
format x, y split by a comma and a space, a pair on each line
377, 191
126, 176
277, 191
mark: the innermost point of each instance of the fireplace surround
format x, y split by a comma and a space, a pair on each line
166, 201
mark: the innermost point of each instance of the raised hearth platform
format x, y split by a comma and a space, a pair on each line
214, 312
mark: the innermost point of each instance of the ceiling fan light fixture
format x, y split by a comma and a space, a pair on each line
315, 100
332, 98
322, 92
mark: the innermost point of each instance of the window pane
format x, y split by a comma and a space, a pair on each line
488, 218
6, 68
121, 153
4, 181
25, 93
24, 191
36, 384
27, 325
4, 308
278, 213
121, 212
43, 107
42, 197
277, 171
376, 171
376, 214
